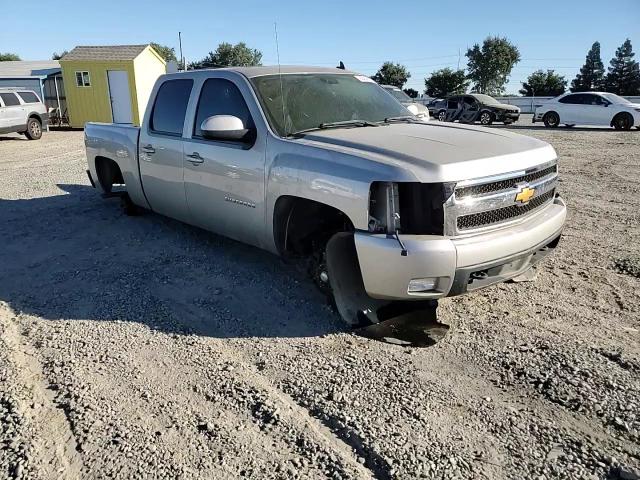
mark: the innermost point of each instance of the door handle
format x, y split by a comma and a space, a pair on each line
195, 158
148, 149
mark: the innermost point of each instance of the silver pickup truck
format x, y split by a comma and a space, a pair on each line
323, 164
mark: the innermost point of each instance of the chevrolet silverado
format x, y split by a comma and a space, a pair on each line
323, 164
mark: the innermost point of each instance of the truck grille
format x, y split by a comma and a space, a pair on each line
492, 217
485, 188
492, 201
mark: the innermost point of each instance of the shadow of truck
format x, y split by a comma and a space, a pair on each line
75, 256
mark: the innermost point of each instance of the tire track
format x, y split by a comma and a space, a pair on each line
53, 445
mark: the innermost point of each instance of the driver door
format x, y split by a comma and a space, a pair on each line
224, 180
452, 109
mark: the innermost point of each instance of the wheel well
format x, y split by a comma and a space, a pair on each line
109, 173
36, 116
620, 114
300, 225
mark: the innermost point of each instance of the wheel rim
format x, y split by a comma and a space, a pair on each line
553, 120
484, 119
441, 116
622, 123
35, 129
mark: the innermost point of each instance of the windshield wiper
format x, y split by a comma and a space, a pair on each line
403, 118
341, 124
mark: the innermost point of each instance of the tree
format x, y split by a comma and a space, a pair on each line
624, 73
58, 56
9, 57
413, 93
446, 82
227, 55
167, 53
392, 74
490, 65
591, 76
544, 84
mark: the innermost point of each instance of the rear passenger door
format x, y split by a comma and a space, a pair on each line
14, 115
224, 180
160, 149
571, 111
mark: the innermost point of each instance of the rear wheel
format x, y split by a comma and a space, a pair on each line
551, 119
34, 129
622, 121
486, 118
442, 116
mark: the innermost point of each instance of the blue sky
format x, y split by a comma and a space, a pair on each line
425, 36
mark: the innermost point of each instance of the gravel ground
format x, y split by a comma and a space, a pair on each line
139, 347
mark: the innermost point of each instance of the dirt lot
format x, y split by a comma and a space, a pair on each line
138, 347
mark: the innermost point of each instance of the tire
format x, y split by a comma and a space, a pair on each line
622, 121
551, 120
486, 118
34, 129
442, 116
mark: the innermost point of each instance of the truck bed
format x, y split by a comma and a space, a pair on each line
118, 143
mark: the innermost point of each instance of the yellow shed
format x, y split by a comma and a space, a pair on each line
110, 83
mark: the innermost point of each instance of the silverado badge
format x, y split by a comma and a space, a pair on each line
525, 193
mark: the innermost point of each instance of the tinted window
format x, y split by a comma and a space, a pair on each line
575, 99
452, 103
9, 99
591, 99
29, 97
220, 97
170, 107
470, 103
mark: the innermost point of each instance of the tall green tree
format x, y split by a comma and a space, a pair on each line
624, 74
446, 82
591, 76
166, 52
544, 84
9, 57
489, 66
58, 56
392, 74
227, 55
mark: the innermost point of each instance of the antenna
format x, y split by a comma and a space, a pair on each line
182, 66
284, 116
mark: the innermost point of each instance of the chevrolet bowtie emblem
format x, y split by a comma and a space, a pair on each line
525, 194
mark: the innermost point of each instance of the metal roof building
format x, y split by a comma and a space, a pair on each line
43, 77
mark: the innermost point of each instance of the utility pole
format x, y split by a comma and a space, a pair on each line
458, 58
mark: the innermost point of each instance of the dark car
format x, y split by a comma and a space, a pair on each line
477, 107
436, 105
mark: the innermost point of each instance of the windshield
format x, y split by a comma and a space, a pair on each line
486, 99
613, 98
315, 99
399, 95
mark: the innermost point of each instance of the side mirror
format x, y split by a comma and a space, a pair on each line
224, 127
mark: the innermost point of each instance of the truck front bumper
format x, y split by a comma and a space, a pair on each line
456, 265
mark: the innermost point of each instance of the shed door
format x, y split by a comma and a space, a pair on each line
119, 96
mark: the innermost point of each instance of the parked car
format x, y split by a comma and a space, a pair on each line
435, 105
418, 109
23, 112
589, 108
322, 164
477, 107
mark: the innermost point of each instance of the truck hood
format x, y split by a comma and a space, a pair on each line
438, 152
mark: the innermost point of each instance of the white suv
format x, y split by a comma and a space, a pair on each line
23, 112
589, 108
